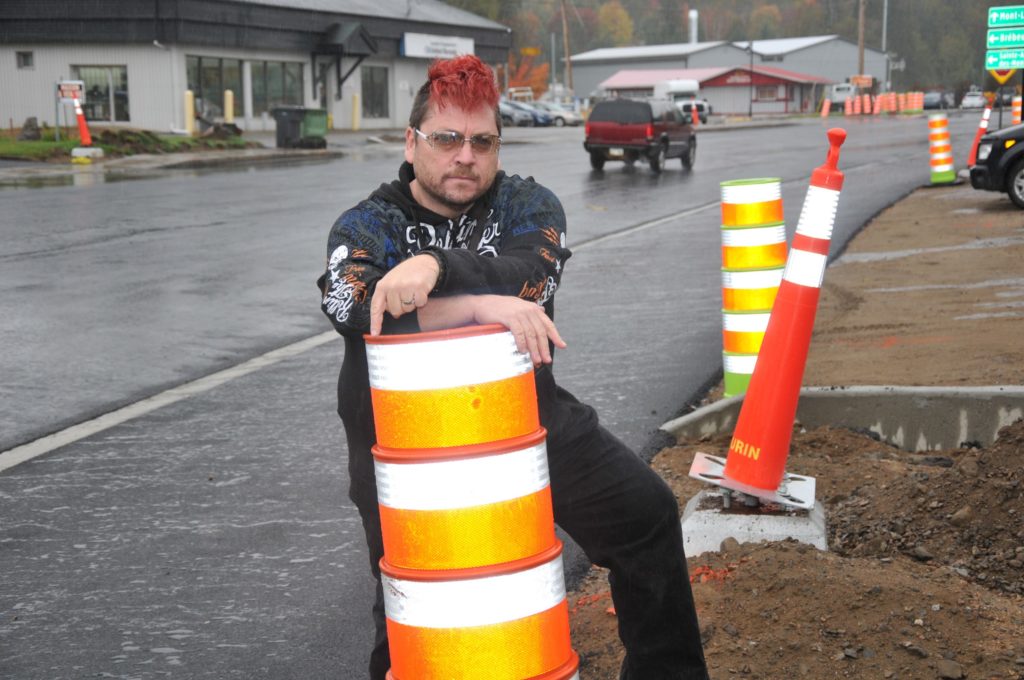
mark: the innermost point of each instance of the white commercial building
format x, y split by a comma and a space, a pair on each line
828, 58
361, 60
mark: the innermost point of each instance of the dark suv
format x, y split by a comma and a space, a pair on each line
630, 129
1001, 163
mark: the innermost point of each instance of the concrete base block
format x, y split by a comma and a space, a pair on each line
87, 152
706, 523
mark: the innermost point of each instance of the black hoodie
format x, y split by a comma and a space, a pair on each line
510, 242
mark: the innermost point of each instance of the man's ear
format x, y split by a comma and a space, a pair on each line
410, 143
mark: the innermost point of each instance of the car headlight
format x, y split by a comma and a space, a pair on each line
983, 151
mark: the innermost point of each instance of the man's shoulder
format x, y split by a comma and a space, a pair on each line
523, 190
374, 210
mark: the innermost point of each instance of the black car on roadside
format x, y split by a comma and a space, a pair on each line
1000, 165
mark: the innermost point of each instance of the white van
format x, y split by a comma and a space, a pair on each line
838, 93
684, 93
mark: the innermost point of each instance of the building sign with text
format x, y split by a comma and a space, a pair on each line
435, 46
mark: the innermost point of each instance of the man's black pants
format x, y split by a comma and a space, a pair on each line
625, 518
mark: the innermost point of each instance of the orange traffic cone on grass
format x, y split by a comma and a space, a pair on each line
83, 127
756, 461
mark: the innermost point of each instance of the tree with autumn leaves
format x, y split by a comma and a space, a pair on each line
940, 42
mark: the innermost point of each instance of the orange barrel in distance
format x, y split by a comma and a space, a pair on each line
1016, 106
506, 622
753, 256
455, 387
941, 149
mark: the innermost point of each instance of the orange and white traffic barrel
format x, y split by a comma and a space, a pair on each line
972, 157
941, 149
465, 507
755, 464
455, 387
1016, 110
506, 622
848, 106
753, 255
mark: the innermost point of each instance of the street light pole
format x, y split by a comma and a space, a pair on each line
750, 105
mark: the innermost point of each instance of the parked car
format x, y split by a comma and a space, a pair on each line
973, 100
936, 99
513, 116
539, 118
1000, 165
628, 130
562, 115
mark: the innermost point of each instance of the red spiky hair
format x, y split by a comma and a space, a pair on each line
465, 82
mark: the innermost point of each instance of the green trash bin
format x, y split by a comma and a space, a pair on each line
313, 130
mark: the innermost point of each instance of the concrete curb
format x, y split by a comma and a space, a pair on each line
912, 418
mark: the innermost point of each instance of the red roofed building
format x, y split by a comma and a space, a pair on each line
732, 89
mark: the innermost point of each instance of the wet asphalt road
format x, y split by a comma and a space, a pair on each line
211, 538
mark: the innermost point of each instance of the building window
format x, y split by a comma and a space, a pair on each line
25, 60
208, 77
767, 93
106, 92
375, 91
275, 83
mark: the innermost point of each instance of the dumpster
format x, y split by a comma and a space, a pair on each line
314, 124
289, 125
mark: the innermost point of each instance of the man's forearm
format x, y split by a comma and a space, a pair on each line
447, 312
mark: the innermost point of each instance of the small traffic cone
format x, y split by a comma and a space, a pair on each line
941, 149
756, 461
826, 107
694, 116
972, 157
1016, 108
83, 128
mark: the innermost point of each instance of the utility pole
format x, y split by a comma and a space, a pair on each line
885, 26
565, 41
860, 39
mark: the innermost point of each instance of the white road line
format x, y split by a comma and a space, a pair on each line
643, 226
38, 447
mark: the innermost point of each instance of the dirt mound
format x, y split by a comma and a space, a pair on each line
923, 578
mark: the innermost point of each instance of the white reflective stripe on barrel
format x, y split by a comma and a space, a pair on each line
805, 269
476, 601
746, 323
452, 362
754, 236
754, 278
942, 168
761, 192
470, 482
739, 363
818, 216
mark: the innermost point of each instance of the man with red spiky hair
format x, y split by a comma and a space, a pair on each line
455, 241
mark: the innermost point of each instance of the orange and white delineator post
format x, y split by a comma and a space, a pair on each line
941, 149
753, 254
1016, 106
756, 461
472, 570
83, 127
972, 157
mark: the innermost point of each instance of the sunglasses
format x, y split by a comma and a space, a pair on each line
448, 141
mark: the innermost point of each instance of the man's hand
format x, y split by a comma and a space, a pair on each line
529, 325
403, 289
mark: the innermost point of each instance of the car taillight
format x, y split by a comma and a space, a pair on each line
586, 129
650, 131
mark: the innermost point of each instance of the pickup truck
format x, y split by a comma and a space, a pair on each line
1000, 165
630, 129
